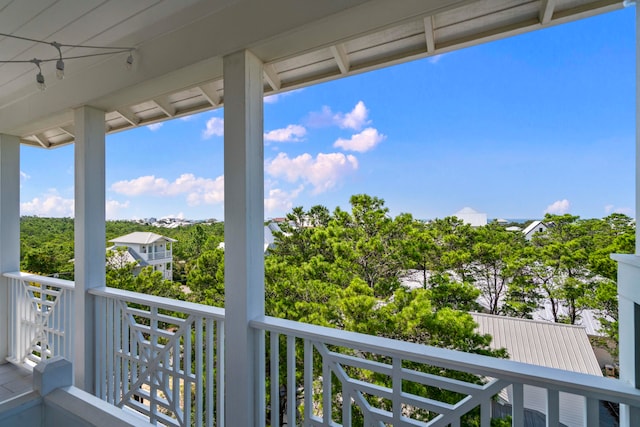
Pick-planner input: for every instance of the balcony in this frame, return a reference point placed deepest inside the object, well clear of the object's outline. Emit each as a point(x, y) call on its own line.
point(164, 360)
point(183, 364)
point(151, 256)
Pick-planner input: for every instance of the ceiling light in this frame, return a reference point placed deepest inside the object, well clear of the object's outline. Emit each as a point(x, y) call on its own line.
point(59, 62)
point(39, 76)
point(60, 69)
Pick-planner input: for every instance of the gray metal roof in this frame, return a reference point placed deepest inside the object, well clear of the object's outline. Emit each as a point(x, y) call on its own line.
point(541, 343)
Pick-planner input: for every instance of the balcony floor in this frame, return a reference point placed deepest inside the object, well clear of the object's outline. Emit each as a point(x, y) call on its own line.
point(13, 381)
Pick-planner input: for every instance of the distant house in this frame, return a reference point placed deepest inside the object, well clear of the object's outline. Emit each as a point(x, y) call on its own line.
point(269, 238)
point(554, 345)
point(148, 249)
point(472, 217)
point(533, 228)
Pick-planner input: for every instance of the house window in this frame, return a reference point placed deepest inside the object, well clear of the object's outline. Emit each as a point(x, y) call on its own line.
point(540, 229)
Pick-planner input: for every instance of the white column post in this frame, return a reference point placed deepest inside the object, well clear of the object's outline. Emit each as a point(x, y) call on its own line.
point(89, 238)
point(9, 228)
point(629, 284)
point(243, 235)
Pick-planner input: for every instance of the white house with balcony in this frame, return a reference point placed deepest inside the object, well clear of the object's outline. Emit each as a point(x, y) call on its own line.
point(148, 249)
point(197, 55)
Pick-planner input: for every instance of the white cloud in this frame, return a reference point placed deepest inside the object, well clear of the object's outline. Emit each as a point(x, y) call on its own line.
point(324, 172)
point(318, 119)
point(198, 190)
point(179, 215)
point(559, 207)
point(280, 200)
point(609, 209)
point(113, 207)
point(49, 205)
point(23, 177)
point(154, 126)
point(215, 127)
point(435, 59)
point(355, 119)
point(292, 133)
point(272, 99)
point(143, 185)
point(361, 142)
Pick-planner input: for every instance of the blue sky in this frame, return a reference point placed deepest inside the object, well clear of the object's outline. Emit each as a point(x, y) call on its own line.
point(541, 122)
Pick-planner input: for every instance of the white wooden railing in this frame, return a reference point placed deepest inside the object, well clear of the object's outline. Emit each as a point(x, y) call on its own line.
point(163, 358)
point(328, 374)
point(40, 318)
point(158, 255)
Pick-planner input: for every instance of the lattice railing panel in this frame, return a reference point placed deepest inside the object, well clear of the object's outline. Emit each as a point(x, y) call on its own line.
point(162, 358)
point(41, 318)
point(316, 376)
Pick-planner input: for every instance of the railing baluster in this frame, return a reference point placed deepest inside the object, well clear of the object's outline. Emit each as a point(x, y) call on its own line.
point(259, 369)
point(485, 413)
point(291, 381)
point(517, 404)
point(221, 374)
point(275, 378)
point(101, 347)
point(553, 408)
point(199, 371)
point(592, 412)
point(109, 331)
point(308, 381)
point(187, 374)
point(396, 380)
point(210, 405)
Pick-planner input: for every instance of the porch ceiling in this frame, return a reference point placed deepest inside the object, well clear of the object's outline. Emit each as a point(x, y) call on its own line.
point(180, 44)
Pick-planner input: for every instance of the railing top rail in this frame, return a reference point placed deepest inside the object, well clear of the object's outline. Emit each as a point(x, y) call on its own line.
point(540, 376)
point(160, 302)
point(50, 281)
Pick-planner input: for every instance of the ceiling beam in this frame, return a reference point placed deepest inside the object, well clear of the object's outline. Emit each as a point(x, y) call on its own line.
point(42, 140)
point(165, 106)
point(342, 57)
point(271, 76)
point(69, 130)
point(210, 92)
point(129, 116)
point(429, 34)
point(546, 11)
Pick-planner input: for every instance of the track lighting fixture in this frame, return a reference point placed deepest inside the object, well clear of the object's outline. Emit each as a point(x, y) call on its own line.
point(60, 58)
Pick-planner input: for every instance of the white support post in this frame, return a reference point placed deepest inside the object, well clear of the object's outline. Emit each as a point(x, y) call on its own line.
point(9, 228)
point(89, 238)
point(244, 235)
point(628, 280)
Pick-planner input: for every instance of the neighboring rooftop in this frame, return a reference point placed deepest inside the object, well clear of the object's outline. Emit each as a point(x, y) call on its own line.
point(472, 217)
point(555, 345)
point(141, 238)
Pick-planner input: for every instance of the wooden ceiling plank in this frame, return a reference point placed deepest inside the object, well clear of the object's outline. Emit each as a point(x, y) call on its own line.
point(546, 11)
point(429, 34)
point(342, 57)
